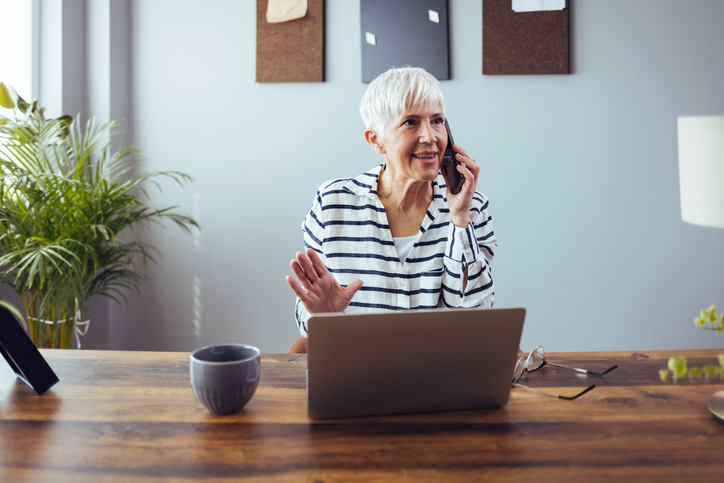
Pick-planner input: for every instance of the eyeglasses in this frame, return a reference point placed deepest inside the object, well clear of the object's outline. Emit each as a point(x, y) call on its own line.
point(536, 359)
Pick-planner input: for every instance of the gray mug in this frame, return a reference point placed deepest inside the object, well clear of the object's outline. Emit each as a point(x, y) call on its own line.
point(224, 377)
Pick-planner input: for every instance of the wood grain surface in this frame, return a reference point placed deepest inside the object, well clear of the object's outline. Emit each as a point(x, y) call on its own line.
point(131, 416)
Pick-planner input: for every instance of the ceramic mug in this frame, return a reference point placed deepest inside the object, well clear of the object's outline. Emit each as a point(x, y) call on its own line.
point(224, 377)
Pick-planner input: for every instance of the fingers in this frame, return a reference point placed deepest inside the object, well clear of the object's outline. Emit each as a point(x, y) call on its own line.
point(465, 171)
point(308, 267)
point(460, 150)
point(468, 168)
point(301, 276)
point(307, 298)
point(319, 266)
point(352, 289)
point(311, 274)
point(468, 188)
point(465, 159)
point(326, 295)
point(469, 177)
point(296, 288)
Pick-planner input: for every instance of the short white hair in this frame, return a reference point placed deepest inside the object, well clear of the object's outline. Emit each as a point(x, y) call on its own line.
point(395, 91)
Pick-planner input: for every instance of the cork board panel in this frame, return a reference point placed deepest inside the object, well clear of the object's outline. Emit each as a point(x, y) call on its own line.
point(290, 51)
point(524, 42)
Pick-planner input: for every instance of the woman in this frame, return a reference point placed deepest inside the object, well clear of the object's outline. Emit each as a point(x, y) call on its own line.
point(395, 237)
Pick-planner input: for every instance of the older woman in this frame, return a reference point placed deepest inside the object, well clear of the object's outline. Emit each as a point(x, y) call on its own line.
point(395, 237)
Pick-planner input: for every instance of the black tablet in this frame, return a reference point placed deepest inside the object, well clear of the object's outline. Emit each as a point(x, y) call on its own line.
point(24, 358)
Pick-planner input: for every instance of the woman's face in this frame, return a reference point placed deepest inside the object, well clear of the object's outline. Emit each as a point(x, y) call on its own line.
point(414, 142)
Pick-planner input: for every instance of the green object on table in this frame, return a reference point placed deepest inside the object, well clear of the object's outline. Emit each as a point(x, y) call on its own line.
point(677, 366)
point(710, 371)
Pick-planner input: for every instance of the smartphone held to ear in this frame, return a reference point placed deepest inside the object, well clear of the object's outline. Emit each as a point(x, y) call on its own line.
point(450, 164)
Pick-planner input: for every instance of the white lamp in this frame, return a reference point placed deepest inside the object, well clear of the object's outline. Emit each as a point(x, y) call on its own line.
point(701, 170)
point(701, 183)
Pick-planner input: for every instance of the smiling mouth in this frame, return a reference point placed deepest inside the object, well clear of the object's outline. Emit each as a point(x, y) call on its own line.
point(427, 156)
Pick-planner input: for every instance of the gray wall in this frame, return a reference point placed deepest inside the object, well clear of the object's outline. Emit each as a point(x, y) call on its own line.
point(581, 170)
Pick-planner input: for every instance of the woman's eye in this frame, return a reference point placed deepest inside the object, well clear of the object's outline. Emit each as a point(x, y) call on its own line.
point(409, 122)
point(438, 120)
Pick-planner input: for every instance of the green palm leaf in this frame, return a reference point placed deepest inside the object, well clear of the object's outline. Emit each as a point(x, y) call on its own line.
point(68, 204)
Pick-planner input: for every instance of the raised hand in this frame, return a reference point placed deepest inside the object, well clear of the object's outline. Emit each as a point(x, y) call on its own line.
point(461, 203)
point(316, 287)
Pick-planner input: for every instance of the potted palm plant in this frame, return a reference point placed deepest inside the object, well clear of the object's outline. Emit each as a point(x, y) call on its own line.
point(68, 202)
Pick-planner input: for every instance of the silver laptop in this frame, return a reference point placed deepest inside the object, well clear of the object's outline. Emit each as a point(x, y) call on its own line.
point(411, 361)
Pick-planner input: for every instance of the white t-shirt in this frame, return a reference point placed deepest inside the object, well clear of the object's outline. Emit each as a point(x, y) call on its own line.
point(404, 245)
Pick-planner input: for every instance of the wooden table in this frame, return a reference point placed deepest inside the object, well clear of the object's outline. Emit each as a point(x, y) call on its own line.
point(131, 416)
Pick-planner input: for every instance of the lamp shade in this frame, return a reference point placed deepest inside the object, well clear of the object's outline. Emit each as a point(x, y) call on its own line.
point(701, 170)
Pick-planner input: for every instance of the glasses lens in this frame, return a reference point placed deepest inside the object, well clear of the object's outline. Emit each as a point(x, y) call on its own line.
point(535, 358)
point(519, 368)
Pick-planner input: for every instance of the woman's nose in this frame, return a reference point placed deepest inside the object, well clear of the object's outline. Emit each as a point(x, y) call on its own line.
point(427, 134)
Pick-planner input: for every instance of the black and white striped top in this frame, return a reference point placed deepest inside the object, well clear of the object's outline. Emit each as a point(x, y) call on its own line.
point(347, 226)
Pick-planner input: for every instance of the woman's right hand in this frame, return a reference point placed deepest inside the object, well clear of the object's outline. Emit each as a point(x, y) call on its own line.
point(316, 287)
point(460, 203)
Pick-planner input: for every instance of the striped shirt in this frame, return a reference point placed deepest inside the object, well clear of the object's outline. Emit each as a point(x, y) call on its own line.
point(347, 226)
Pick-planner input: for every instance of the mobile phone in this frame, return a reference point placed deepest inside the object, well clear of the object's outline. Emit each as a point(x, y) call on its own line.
point(450, 164)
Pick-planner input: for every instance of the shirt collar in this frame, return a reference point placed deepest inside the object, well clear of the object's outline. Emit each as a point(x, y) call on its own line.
point(366, 184)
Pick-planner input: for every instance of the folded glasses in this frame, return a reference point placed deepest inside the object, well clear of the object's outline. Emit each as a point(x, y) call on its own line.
point(536, 359)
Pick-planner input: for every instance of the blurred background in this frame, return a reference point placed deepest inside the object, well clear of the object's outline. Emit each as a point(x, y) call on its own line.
point(581, 169)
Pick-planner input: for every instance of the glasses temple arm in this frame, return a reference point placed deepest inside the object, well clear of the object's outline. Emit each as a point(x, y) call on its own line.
point(571, 398)
point(567, 398)
point(583, 371)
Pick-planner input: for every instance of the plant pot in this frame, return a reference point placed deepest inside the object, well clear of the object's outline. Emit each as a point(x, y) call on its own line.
point(53, 328)
point(51, 335)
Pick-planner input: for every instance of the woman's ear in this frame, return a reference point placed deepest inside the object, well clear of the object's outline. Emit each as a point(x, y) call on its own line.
point(374, 141)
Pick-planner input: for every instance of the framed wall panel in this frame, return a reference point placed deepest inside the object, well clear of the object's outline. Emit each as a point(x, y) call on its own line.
point(524, 42)
point(290, 51)
point(404, 32)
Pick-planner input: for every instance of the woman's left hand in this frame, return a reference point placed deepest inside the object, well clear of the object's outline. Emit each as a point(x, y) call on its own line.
point(460, 203)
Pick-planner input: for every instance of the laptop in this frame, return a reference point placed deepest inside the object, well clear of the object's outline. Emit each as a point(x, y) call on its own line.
point(411, 361)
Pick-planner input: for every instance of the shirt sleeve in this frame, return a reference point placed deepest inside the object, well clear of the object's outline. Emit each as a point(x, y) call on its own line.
point(313, 230)
point(470, 247)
